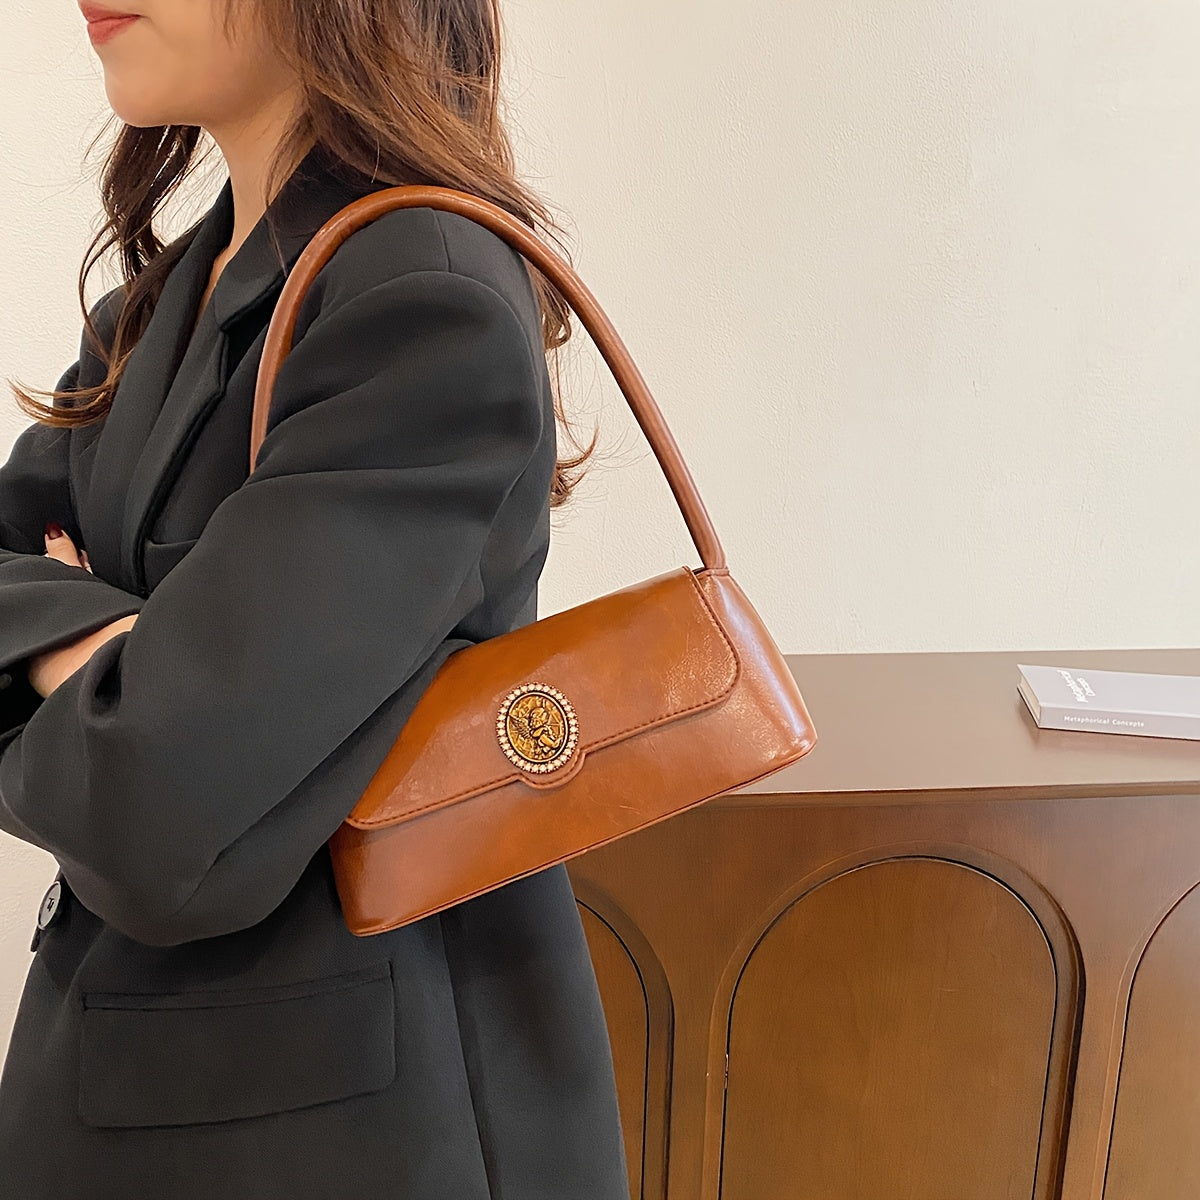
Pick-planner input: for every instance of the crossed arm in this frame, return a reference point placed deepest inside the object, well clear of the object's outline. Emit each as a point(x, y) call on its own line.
point(53, 667)
point(52, 612)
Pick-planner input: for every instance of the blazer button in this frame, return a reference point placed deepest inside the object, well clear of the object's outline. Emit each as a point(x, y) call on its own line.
point(51, 904)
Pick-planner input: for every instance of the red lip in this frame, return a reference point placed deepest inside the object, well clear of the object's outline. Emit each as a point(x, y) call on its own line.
point(96, 12)
point(105, 23)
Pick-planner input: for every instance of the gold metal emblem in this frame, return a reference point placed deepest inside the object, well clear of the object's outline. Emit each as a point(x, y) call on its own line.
point(537, 728)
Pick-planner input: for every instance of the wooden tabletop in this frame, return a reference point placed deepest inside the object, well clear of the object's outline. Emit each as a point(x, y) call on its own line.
point(894, 724)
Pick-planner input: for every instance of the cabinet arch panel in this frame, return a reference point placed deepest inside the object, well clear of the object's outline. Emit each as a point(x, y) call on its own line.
point(911, 1007)
point(638, 1011)
point(1154, 1153)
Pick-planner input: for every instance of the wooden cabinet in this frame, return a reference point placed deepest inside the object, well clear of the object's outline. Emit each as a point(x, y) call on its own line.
point(948, 956)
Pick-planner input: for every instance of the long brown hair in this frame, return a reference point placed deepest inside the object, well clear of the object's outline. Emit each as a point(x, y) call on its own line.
point(396, 91)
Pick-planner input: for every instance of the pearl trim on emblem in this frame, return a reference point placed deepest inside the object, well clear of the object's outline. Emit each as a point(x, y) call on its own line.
point(569, 743)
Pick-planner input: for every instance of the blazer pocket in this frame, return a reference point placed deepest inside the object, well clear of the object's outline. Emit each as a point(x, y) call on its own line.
point(199, 1057)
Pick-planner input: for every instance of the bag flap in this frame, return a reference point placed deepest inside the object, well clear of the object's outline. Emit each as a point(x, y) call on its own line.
point(623, 663)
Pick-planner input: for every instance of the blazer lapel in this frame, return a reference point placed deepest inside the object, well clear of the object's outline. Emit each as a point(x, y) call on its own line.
point(117, 479)
point(174, 378)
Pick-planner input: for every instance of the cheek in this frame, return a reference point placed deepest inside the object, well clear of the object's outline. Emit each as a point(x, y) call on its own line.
point(181, 71)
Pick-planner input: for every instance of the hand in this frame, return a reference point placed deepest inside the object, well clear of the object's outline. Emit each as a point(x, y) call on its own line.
point(53, 667)
point(59, 545)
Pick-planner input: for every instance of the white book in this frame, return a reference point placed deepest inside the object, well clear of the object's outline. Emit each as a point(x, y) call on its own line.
point(1112, 701)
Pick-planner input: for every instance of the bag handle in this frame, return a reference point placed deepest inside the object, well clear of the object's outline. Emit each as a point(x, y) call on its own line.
point(633, 386)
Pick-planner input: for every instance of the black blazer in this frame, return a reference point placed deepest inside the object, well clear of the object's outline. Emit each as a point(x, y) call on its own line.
point(197, 1021)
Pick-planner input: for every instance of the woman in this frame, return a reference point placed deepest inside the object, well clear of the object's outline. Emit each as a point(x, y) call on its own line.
point(203, 670)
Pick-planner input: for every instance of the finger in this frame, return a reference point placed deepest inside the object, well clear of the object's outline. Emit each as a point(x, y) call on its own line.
point(59, 545)
point(86, 562)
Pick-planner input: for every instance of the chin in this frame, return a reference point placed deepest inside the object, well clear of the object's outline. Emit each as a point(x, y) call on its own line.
point(141, 110)
point(142, 115)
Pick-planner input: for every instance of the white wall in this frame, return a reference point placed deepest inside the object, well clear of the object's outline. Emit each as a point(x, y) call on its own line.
point(917, 283)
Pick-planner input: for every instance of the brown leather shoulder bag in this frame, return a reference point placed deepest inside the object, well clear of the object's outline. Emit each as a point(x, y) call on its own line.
point(534, 746)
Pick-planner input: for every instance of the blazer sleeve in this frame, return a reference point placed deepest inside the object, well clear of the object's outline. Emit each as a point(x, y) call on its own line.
point(43, 602)
point(159, 773)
